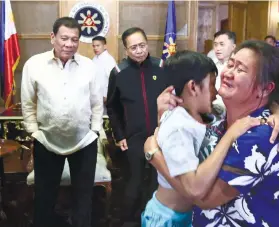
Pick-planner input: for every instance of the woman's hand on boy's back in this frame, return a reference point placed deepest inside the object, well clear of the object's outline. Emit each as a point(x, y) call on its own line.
point(167, 100)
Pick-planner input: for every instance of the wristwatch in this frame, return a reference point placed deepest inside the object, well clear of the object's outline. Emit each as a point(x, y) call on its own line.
point(149, 154)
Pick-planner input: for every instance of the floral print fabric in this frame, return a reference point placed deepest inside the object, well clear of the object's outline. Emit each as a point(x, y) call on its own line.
point(257, 179)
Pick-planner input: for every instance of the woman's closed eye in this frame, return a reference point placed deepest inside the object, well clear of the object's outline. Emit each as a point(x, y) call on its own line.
point(239, 70)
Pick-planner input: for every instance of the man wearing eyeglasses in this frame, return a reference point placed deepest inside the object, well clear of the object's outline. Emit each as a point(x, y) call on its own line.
point(134, 86)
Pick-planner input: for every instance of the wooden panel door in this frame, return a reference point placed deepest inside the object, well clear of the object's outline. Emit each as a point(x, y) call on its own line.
point(237, 19)
point(257, 19)
point(224, 24)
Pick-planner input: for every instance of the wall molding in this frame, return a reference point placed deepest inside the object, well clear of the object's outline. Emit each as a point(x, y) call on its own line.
point(47, 36)
point(34, 36)
point(161, 37)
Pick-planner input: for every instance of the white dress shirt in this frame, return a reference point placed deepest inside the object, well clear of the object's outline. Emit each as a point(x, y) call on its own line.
point(211, 54)
point(219, 101)
point(105, 63)
point(180, 137)
point(220, 66)
point(60, 104)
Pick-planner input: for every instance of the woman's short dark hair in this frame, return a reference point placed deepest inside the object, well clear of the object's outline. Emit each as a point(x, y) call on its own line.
point(68, 22)
point(268, 67)
point(131, 31)
point(187, 65)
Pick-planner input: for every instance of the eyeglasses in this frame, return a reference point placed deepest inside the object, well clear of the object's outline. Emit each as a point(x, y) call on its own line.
point(133, 48)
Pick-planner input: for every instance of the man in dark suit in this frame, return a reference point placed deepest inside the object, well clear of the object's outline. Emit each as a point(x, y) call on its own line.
point(134, 86)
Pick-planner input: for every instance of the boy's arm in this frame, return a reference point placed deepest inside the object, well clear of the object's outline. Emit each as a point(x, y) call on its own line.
point(183, 163)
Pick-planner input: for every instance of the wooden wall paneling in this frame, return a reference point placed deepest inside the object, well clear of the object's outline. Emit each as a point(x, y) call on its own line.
point(237, 19)
point(223, 22)
point(151, 15)
point(182, 40)
point(257, 19)
point(193, 25)
point(207, 18)
point(33, 27)
point(218, 9)
point(208, 45)
point(34, 36)
point(273, 18)
point(111, 7)
point(152, 18)
point(160, 37)
point(35, 17)
point(224, 25)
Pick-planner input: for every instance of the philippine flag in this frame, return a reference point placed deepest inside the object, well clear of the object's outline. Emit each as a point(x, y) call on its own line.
point(9, 51)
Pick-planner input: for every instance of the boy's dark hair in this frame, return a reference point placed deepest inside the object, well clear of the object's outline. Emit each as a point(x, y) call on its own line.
point(100, 38)
point(270, 37)
point(131, 31)
point(68, 22)
point(188, 65)
point(231, 35)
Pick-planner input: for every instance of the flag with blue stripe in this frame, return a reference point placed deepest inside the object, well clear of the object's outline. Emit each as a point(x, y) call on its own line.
point(169, 47)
